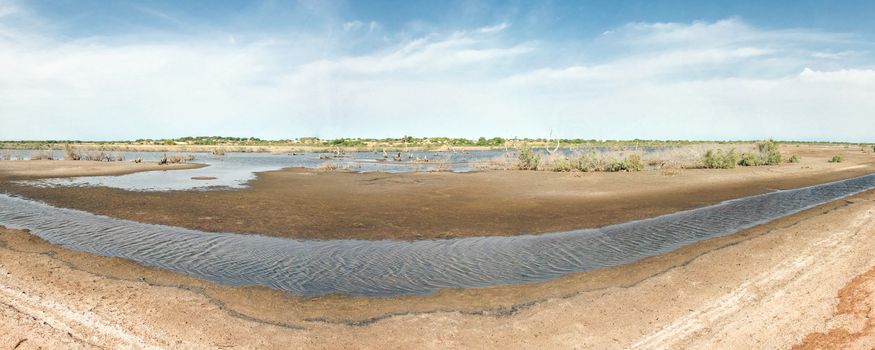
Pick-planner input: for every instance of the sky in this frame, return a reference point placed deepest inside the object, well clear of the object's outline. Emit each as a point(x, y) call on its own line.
point(701, 70)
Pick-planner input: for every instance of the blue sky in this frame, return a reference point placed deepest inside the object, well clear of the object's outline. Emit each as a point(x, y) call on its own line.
point(577, 69)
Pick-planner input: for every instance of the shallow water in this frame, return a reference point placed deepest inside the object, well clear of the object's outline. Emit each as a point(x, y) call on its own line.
point(234, 170)
point(383, 268)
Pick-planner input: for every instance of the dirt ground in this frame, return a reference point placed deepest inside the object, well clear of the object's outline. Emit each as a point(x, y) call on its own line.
point(308, 204)
point(806, 280)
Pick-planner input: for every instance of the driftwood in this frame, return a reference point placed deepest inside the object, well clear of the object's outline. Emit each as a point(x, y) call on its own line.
point(548, 142)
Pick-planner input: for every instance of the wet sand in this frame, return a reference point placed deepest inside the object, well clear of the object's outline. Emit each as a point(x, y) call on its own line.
point(309, 204)
point(806, 280)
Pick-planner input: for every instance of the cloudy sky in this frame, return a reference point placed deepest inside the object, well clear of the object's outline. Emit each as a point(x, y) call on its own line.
point(106, 70)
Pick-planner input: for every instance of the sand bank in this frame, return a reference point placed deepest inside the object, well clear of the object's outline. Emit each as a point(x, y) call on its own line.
point(26, 169)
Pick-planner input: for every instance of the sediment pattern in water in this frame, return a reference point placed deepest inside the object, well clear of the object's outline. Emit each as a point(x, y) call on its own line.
point(397, 267)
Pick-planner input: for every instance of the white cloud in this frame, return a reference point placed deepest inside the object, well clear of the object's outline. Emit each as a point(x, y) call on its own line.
point(700, 80)
point(855, 76)
point(352, 25)
point(9, 8)
point(494, 29)
point(420, 56)
point(829, 55)
point(373, 26)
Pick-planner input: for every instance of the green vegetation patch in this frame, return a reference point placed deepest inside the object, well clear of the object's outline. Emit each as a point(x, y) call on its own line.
point(719, 159)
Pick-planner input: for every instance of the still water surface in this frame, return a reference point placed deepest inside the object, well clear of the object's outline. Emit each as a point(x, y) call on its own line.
point(234, 170)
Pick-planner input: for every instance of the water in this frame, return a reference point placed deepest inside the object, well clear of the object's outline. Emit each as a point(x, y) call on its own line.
point(385, 268)
point(234, 170)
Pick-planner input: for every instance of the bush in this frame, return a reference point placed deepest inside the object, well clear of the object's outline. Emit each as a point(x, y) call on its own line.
point(766, 154)
point(631, 163)
point(769, 154)
point(70, 153)
point(836, 159)
point(719, 159)
point(793, 159)
point(587, 162)
point(562, 165)
point(749, 159)
point(528, 159)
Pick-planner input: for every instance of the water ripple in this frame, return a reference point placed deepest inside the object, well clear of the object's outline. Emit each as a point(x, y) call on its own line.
point(383, 268)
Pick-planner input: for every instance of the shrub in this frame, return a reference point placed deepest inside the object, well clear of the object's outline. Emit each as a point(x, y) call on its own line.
point(836, 159)
point(749, 159)
point(769, 154)
point(634, 163)
point(719, 159)
point(562, 165)
point(528, 159)
point(70, 153)
point(766, 154)
point(793, 159)
point(631, 163)
point(587, 162)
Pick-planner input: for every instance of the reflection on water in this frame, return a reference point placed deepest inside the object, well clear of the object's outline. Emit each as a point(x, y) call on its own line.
point(382, 268)
point(233, 170)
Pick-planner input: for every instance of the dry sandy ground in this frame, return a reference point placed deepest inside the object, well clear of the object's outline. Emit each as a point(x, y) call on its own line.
point(805, 280)
point(299, 203)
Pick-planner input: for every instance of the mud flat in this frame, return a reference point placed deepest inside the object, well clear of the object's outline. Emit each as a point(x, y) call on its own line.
point(806, 280)
point(308, 204)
